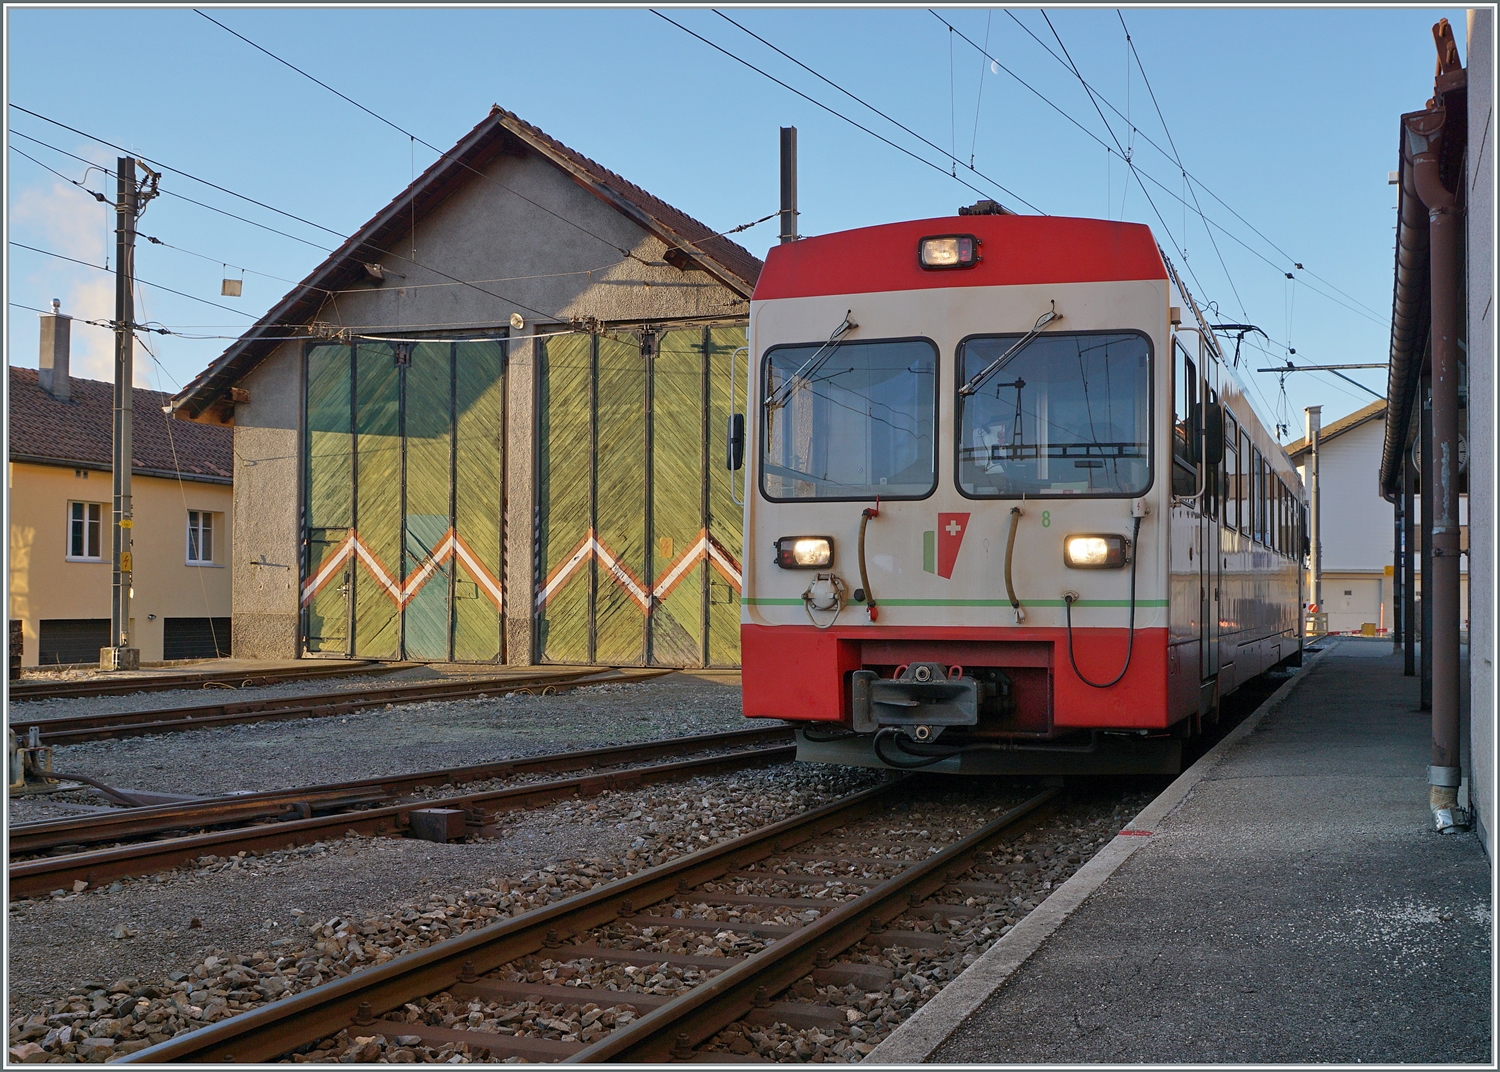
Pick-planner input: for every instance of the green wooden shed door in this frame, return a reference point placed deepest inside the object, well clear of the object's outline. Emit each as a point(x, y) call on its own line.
point(403, 494)
point(638, 532)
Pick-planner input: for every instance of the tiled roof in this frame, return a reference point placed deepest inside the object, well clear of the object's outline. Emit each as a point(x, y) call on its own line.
point(80, 431)
point(1344, 424)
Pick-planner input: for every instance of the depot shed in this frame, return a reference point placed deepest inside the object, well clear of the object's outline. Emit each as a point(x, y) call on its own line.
point(488, 428)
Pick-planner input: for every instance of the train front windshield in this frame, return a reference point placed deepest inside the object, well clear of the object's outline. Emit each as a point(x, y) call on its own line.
point(1069, 414)
point(850, 420)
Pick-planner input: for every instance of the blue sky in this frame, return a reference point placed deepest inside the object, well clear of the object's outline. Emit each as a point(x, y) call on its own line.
point(1284, 117)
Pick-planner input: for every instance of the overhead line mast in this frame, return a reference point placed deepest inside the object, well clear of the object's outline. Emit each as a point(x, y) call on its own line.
point(130, 199)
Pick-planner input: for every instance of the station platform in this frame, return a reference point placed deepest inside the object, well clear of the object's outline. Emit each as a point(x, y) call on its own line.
point(1286, 900)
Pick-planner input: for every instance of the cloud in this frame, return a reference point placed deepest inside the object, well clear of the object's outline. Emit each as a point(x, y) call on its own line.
point(64, 221)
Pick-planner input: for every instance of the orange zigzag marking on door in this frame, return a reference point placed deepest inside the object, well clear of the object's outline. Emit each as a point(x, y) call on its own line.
point(591, 547)
point(402, 594)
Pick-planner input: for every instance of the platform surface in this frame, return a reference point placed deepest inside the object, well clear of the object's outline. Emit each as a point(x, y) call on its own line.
point(1296, 907)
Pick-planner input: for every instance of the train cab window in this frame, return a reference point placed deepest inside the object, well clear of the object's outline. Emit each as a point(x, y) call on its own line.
point(1070, 414)
point(850, 420)
point(1231, 471)
point(1185, 422)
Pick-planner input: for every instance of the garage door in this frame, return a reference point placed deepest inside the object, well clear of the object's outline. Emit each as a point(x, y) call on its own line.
point(71, 640)
point(195, 638)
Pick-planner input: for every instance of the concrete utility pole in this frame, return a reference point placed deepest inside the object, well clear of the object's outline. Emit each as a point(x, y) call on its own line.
point(788, 184)
point(1315, 516)
point(120, 655)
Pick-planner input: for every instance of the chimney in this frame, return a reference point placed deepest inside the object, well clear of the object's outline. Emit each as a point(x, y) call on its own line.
point(52, 362)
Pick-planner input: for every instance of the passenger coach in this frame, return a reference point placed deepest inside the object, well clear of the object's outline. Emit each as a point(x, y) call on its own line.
point(1006, 510)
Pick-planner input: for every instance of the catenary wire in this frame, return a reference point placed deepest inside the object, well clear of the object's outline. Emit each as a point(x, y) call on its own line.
point(415, 138)
point(1193, 178)
point(838, 114)
point(146, 282)
point(1178, 157)
point(363, 245)
point(1141, 172)
point(866, 104)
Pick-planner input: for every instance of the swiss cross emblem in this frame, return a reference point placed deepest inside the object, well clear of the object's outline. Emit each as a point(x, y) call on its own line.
point(940, 547)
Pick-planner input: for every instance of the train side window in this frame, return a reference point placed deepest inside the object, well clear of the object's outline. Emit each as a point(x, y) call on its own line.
point(1283, 543)
point(1279, 537)
point(1257, 498)
point(1265, 501)
point(1231, 471)
point(1186, 437)
point(1286, 520)
point(1242, 490)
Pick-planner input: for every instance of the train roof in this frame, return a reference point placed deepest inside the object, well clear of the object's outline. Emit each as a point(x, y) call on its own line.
point(1013, 250)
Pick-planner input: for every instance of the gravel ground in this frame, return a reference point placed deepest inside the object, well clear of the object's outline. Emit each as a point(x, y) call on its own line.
point(413, 737)
point(289, 916)
point(70, 707)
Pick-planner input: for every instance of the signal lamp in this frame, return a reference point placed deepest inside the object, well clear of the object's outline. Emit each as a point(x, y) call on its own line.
point(948, 251)
point(1094, 551)
point(804, 552)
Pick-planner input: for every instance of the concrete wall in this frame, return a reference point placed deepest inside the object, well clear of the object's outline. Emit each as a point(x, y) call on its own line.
point(43, 584)
point(267, 463)
point(518, 258)
point(1481, 359)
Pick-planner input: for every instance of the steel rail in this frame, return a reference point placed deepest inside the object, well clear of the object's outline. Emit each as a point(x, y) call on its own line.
point(32, 877)
point(267, 1032)
point(74, 730)
point(713, 1005)
point(100, 827)
point(124, 686)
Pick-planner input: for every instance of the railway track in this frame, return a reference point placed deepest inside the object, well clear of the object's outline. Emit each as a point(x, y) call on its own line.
point(77, 729)
point(124, 686)
point(289, 818)
point(790, 905)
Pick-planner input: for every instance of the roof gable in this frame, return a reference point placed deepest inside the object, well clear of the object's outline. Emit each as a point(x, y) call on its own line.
point(1374, 411)
point(500, 132)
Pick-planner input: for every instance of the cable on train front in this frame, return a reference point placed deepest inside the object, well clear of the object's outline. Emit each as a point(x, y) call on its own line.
point(1007, 395)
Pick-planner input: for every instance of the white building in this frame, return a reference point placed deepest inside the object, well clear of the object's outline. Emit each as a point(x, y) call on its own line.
point(1359, 525)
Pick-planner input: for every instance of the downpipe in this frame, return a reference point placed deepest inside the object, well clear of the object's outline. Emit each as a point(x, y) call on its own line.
point(1424, 133)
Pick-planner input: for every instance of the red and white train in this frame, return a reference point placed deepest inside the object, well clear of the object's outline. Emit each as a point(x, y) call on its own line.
point(1007, 510)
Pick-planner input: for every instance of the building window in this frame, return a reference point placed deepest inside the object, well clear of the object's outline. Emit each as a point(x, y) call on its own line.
point(200, 539)
point(85, 525)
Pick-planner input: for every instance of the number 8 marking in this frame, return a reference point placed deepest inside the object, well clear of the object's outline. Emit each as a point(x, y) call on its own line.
point(1046, 519)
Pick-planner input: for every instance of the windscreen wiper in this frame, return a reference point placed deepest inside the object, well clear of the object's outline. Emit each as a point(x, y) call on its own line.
point(1000, 362)
point(819, 358)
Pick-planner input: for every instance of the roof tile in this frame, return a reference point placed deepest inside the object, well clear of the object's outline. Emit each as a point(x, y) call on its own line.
point(80, 431)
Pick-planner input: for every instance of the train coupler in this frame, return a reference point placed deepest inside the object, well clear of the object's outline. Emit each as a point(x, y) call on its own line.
point(922, 700)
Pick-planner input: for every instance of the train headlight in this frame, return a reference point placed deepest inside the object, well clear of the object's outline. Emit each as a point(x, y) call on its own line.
point(1094, 551)
point(804, 552)
point(948, 251)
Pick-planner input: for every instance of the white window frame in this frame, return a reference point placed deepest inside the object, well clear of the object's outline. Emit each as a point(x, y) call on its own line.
point(194, 524)
point(68, 554)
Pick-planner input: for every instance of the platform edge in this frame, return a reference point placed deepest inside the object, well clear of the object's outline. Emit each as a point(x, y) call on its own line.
point(930, 1026)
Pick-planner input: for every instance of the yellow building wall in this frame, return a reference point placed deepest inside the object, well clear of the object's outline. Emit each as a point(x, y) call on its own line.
point(43, 584)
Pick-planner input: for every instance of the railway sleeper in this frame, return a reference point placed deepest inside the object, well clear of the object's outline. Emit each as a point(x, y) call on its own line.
point(733, 984)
